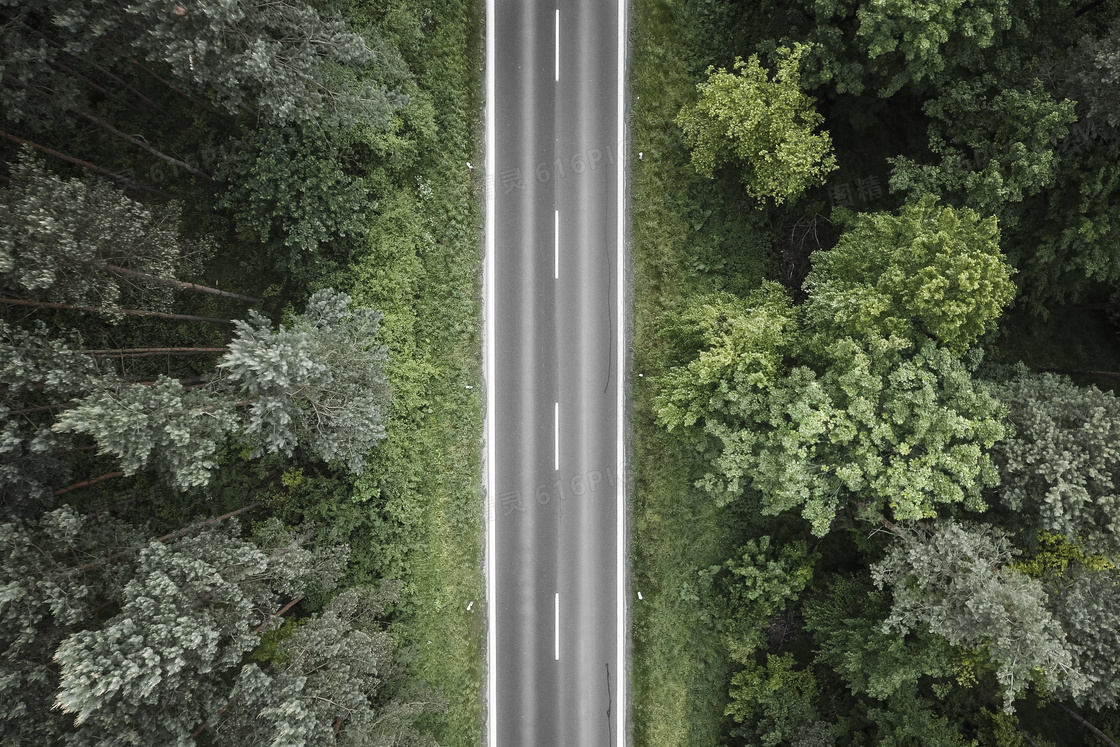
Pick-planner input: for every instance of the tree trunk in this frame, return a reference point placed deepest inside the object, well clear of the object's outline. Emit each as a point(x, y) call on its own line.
point(90, 481)
point(1097, 732)
point(175, 162)
point(1086, 8)
point(86, 164)
point(41, 408)
point(165, 538)
point(134, 312)
point(73, 73)
point(95, 66)
point(181, 284)
point(278, 613)
point(146, 352)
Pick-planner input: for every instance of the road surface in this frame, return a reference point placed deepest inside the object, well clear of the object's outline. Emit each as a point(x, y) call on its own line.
point(555, 361)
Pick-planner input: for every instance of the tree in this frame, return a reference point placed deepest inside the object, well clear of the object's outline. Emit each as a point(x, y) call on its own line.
point(330, 679)
point(890, 424)
point(931, 272)
point(1060, 471)
point(1092, 75)
point(762, 580)
point(775, 703)
point(178, 430)
point(956, 581)
point(319, 381)
point(1067, 237)
point(285, 59)
point(35, 367)
point(188, 615)
point(766, 126)
point(732, 351)
point(64, 240)
point(889, 45)
point(290, 187)
point(845, 615)
point(42, 602)
point(901, 432)
point(997, 146)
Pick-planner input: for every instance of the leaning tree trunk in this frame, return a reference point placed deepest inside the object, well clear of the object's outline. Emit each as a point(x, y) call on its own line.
point(86, 164)
point(182, 285)
point(133, 312)
point(165, 538)
point(148, 352)
point(1097, 732)
point(1084, 372)
point(175, 162)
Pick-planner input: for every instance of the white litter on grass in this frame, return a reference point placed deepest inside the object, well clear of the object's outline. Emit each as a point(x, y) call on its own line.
point(639, 595)
point(469, 606)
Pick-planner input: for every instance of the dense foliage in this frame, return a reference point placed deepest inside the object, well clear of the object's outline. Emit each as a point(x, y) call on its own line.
point(877, 458)
point(164, 166)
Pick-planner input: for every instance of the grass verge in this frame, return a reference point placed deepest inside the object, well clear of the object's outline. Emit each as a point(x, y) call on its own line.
point(690, 236)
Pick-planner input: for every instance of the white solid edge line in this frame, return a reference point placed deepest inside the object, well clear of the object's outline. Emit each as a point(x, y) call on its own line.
point(556, 245)
point(557, 626)
point(557, 44)
point(556, 450)
point(490, 372)
point(620, 496)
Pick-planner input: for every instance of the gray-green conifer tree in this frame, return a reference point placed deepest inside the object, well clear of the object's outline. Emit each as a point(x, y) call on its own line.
point(319, 380)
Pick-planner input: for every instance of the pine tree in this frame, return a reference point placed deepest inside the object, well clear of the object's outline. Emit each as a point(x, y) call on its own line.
point(62, 239)
point(179, 431)
point(189, 614)
point(42, 601)
point(318, 381)
point(331, 679)
point(285, 60)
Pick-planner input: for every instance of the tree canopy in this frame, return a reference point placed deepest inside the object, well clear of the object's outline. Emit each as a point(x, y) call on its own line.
point(765, 126)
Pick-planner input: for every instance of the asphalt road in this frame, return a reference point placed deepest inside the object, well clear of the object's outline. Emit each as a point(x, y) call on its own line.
point(554, 304)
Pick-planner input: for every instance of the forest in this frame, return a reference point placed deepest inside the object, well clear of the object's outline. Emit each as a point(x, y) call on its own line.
point(876, 248)
point(240, 476)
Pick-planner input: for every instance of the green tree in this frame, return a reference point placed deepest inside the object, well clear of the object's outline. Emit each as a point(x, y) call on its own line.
point(318, 381)
point(866, 403)
point(192, 609)
point(291, 188)
point(36, 367)
point(901, 432)
point(69, 241)
point(176, 430)
point(930, 272)
point(1060, 471)
point(997, 146)
point(762, 580)
point(775, 703)
point(1092, 76)
point(845, 616)
point(329, 679)
point(43, 601)
point(733, 350)
point(956, 581)
point(765, 126)
point(286, 60)
point(889, 45)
